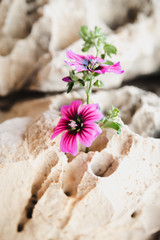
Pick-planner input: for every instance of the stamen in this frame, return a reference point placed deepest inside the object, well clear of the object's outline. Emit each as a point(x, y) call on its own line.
point(72, 124)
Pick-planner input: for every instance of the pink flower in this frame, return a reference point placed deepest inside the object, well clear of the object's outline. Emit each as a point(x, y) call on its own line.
point(78, 123)
point(91, 63)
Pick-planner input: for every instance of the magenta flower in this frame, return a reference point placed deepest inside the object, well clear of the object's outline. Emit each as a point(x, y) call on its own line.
point(91, 63)
point(67, 79)
point(78, 123)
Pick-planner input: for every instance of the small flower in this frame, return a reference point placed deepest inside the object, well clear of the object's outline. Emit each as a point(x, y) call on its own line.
point(91, 63)
point(67, 79)
point(78, 123)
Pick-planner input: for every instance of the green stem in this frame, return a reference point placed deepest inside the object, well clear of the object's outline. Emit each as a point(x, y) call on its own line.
point(87, 150)
point(88, 102)
point(97, 51)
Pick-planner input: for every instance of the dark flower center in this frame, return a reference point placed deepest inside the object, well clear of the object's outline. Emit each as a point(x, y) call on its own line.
point(75, 125)
point(93, 65)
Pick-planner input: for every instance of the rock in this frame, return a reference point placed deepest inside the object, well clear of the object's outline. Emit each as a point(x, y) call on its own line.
point(20, 46)
point(131, 40)
point(111, 192)
point(65, 29)
point(126, 11)
point(139, 109)
point(14, 69)
point(38, 33)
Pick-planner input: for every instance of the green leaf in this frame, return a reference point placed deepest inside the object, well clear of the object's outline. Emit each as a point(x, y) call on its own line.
point(95, 74)
point(103, 56)
point(70, 86)
point(98, 83)
point(81, 82)
point(109, 62)
point(86, 48)
point(73, 76)
point(84, 32)
point(110, 49)
point(111, 124)
point(112, 114)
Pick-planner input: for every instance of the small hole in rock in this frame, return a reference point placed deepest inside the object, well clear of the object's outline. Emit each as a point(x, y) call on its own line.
point(134, 214)
point(20, 227)
point(132, 14)
point(156, 134)
point(34, 201)
point(68, 194)
point(156, 236)
point(29, 212)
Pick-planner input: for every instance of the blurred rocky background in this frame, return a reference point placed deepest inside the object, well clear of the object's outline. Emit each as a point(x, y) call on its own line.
point(113, 192)
point(34, 36)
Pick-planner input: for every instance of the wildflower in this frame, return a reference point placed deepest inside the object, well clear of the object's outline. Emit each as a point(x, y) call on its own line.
point(91, 63)
point(78, 123)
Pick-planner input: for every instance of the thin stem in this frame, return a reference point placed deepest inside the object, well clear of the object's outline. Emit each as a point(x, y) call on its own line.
point(88, 98)
point(97, 51)
point(88, 102)
point(87, 150)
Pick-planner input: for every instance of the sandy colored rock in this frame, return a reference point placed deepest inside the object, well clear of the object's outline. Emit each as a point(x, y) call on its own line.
point(110, 192)
point(139, 109)
point(66, 21)
point(39, 32)
point(138, 48)
point(35, 31)
point(126, 11)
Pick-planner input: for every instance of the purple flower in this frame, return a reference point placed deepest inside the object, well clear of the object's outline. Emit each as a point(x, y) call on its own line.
point(67, 79)
point(91, 63)
point(78, 123)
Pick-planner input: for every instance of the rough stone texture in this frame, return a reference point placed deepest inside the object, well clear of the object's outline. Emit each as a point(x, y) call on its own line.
point(110, 192)
point(36, 30)
point(140, 110)
point(124, 12)
point(138, 51)
point(41, 38)
point(18, 65)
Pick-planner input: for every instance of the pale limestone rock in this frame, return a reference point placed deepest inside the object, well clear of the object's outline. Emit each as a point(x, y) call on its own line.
point(4, 7)
point(48, 25)
point(125, 11)
point(110, 192)
point(12, 134)
point(139, 109)
point(16, 14)
point(35, 30)
point(16, 67)
point(66, 21)
point(21, 45)
point(138, 46)
point(6, 45)
point(138, 51)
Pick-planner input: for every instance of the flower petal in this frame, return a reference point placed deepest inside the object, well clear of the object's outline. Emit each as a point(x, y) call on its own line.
point(69, 143)
point(67, 79)
point(115, 68)
point(94, 59)
point(61, 126)
point(90, 112)
point(72, 55)
point(70, 111)
point(89, 133)
point(101, 69)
